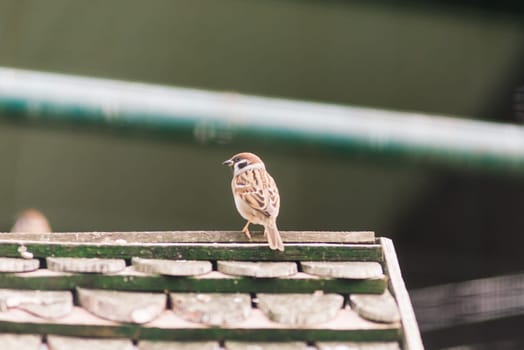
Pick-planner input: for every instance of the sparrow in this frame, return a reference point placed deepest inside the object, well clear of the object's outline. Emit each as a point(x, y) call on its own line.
point(256, 196)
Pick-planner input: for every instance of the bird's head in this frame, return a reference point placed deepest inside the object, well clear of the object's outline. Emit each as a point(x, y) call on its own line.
point(242, 160)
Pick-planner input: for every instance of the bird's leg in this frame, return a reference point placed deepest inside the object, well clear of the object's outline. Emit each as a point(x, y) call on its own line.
point(246, 230)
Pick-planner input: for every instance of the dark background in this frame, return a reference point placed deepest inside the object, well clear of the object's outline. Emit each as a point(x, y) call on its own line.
point(462, 59)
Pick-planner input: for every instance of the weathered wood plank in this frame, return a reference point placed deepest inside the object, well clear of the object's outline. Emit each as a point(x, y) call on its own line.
point(191, 237)
point(188, 334)
point(172, 267)
point(85, 265)
point(20, 341)
point(18, 265)
point(411, 339)
point(214, 309)
point(343, 269)
point(46, 304)
point(56, 342)
point(376, 307)
point(347, 326)
point(122, 306)
point(213, 282)
point(199, 251)
point(257, 269)
point(300, 309)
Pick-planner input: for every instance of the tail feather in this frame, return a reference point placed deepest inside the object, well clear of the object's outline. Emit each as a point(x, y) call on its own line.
point(273, 236)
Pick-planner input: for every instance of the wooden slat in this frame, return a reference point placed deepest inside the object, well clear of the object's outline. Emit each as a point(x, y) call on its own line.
point(198, 251)
point(212, 282)
point(411, 339)
point(347, 326)
point(191, 237)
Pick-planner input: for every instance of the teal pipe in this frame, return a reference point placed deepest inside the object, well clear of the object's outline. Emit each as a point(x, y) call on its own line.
point(224, 117)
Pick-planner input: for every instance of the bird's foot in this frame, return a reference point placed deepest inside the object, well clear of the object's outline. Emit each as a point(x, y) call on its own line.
point(246, 230)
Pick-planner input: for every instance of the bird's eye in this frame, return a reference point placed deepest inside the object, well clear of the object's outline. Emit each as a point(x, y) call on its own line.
point(236, 159)
point(242, 165)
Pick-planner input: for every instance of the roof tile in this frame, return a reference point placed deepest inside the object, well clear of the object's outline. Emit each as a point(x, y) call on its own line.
point(172, 267)
point(85, 265)
point(45, 304)
point(300, 309)
point(212, 308)
point(345, 269)
point(55, 342)
point(376, 307)
point(257, 269)
point(122, 306)
point(18, 265)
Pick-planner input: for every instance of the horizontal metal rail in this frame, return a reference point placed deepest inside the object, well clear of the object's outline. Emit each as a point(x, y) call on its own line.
point(225, 117)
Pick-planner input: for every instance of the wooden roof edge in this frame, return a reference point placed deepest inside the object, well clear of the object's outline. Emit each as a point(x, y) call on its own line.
point(197, 236)
point(411, 339)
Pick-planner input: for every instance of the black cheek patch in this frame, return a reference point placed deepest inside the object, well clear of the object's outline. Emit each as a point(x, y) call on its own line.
point(242, 165)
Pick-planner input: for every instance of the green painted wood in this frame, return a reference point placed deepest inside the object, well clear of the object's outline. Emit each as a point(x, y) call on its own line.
point(189, 237)
point(137, 332)
point(160, 283)
point(199, 251)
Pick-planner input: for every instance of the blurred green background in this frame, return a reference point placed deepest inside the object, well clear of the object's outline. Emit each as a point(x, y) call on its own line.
point(453, 58)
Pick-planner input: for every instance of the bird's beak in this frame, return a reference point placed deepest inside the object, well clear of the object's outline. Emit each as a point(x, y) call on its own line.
point(228, 163)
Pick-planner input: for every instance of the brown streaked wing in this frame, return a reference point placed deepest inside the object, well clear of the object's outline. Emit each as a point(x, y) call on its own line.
point(274, 197)
point(254, 187)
